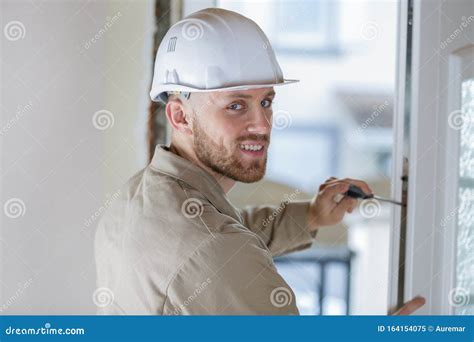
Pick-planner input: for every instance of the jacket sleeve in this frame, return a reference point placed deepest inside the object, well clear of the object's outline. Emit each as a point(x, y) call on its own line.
point(231, 274)
point(283, 228)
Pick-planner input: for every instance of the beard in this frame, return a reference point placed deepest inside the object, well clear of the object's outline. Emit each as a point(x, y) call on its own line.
point(228, 163)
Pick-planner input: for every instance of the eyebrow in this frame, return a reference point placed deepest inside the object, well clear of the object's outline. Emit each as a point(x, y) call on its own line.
point(246, 96)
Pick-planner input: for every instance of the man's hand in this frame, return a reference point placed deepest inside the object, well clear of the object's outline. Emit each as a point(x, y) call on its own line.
point(325, 210)
point(409, 307)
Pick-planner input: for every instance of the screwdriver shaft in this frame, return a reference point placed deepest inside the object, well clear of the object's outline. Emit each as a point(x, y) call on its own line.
point(387, 200)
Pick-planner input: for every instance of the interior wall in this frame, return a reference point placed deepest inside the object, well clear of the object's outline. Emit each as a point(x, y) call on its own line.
point(75, 82)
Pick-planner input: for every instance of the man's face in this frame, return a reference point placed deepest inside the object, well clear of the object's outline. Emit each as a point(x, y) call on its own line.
point(232, 131)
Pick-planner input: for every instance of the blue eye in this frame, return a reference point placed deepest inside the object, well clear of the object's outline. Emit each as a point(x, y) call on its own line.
point(236, 106)
point(266, 103)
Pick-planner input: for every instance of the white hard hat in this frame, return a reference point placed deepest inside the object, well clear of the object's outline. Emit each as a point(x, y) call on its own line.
point(214, 50)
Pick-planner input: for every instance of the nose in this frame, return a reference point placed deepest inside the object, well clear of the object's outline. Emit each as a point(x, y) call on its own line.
point(260, 122)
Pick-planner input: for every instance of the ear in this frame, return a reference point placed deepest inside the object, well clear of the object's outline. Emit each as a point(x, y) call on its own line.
point(177, 117)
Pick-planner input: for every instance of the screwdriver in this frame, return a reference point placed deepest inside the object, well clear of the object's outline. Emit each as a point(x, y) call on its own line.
point(356, 192)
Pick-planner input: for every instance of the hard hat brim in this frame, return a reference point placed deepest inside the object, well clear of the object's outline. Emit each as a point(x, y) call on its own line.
point(155, 94)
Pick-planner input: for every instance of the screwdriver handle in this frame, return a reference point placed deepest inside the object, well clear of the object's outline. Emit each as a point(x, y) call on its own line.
point(356, 192)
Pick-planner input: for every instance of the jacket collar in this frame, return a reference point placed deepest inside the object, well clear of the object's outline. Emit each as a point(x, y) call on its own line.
point(171, 164)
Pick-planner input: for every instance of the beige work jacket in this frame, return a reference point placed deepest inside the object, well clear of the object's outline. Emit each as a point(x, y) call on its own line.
point(171, 243)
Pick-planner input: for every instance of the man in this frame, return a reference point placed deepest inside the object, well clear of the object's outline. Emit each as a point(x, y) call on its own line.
point(173, 243)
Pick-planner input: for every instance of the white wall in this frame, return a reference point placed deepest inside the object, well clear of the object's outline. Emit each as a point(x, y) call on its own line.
point(53, 158)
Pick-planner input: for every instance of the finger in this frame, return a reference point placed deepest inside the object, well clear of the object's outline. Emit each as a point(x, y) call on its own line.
point(332, 180)
point(351, 209)
point(327, 197)
point(346, 204)
point(411, 306)
point(326, 182)
point(331, 190)
point(361, 184)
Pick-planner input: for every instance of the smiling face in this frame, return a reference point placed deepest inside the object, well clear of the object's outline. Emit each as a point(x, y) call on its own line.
point(230, 131)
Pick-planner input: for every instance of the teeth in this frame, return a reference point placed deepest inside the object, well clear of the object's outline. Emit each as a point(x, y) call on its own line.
point(251, 147)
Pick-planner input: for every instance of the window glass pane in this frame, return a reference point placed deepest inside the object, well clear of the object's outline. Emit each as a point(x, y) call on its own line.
point(306, 16)
point(462, 297)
